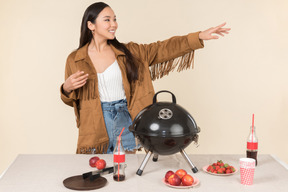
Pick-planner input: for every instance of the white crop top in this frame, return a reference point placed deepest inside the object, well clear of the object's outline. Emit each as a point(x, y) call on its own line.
point(110, 85)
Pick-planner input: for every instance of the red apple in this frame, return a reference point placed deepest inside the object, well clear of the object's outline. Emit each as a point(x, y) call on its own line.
point(187, 180)
point(181, 173)
point(101, 164)
point(174, 180)
point(168, 174)
point(93, 160)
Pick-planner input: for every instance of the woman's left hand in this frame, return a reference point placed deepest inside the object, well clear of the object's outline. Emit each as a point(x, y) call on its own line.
point(208, 34)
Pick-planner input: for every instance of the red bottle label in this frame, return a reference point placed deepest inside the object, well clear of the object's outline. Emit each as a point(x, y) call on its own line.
point(252, 146)
point(119, 158)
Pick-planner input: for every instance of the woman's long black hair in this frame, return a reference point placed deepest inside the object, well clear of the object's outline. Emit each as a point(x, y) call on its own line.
point(86, 36)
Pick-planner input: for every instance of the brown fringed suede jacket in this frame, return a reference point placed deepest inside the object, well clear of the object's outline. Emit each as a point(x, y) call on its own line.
point(158, 59)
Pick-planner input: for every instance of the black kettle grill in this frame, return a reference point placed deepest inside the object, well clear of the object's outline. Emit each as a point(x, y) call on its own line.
point(164, 128)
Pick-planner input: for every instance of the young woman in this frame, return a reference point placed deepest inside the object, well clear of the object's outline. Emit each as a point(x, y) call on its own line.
point(108, 83)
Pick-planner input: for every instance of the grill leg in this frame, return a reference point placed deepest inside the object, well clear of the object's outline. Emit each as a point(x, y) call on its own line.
point(155, 157)
point(143, 164)
point(193, 168)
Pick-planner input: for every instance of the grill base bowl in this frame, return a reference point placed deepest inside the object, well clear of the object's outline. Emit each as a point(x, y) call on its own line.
point(165, 145)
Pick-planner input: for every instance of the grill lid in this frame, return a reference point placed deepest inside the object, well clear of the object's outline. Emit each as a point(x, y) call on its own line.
point(164, 119)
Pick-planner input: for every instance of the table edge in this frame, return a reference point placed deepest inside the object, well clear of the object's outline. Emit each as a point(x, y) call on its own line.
point(285, 165)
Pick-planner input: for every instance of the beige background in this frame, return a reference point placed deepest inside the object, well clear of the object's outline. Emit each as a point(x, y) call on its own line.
point(235, 76)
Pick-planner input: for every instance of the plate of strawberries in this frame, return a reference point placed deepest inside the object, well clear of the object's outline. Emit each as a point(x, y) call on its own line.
point(220, 168)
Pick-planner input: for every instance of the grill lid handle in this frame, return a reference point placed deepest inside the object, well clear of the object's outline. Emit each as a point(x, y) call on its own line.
point(155, 96)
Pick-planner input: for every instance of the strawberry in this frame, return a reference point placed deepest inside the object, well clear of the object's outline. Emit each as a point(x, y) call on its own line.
point(220, 163)
point(228, 171)
point(220, 171)
point(232, 169)
point(217, 167)
point(209, 167)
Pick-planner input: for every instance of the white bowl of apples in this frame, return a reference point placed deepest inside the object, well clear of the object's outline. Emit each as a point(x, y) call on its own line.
point(180, 179)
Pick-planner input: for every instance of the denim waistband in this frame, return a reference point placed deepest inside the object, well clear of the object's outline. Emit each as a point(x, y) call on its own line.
point(114, 104)
point(111, 103)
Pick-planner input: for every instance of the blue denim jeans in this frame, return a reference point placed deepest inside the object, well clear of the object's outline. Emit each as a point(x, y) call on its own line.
point(116, 116)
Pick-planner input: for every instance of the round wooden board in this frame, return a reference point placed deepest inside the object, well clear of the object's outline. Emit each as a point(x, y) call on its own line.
point(78, 183)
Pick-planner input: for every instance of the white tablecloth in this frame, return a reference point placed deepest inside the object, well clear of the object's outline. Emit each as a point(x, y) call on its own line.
point(45, 173)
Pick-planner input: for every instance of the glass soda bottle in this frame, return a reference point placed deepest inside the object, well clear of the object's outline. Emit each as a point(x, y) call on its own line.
point(119, 161)
point(252, 144)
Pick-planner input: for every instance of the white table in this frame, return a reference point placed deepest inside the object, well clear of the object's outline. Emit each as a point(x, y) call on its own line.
point(41, 173)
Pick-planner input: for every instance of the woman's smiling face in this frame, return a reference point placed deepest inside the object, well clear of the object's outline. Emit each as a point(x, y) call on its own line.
point(105, 24)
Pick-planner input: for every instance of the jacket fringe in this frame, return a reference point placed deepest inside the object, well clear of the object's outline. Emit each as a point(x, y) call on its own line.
point(95, 149)
point(88, 91)
point(161, 69)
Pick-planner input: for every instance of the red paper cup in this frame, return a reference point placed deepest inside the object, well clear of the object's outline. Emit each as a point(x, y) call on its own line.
point(247, 167)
